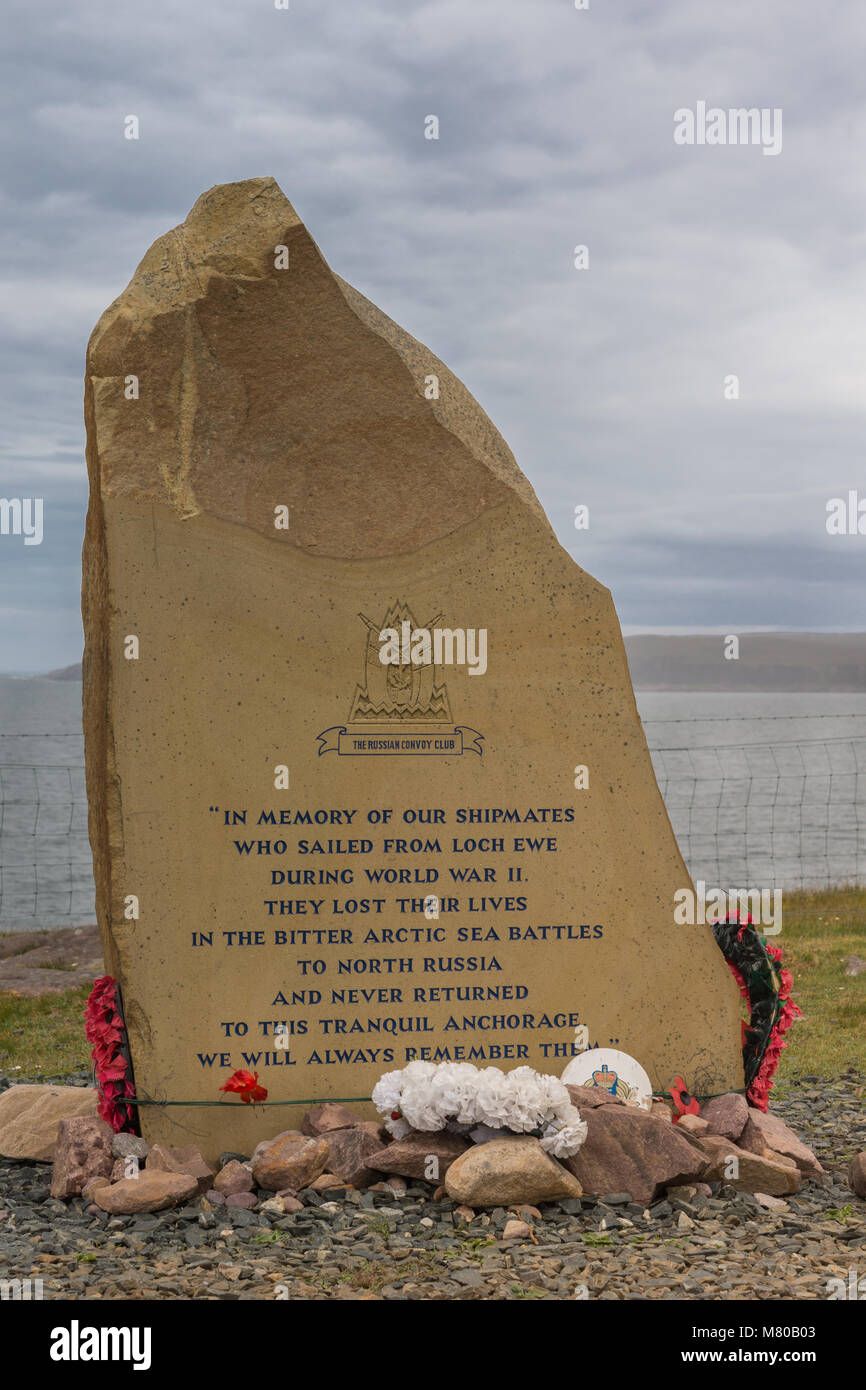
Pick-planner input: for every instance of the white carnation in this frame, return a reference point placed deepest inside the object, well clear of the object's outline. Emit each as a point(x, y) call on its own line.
point(492, 1099)
point(387, 1091)
point(458, 1095)
point(422, 1104)
point(563, 1139)
point(455, 1087)
point(417, 1071)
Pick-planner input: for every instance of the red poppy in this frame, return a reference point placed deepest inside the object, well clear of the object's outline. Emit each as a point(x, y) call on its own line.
point(684, 1103)
point(246, 1084)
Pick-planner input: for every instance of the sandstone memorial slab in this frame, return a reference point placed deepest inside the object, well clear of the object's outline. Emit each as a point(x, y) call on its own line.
point(311, 862)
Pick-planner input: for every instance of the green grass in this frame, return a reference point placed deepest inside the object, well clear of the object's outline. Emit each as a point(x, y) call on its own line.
point(46, 1036)
point(373, 1275)
point(819, 930)
point(269, 1237)
point(839, 1214)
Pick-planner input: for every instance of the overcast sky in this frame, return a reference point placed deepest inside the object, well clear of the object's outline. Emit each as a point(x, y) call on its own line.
point(556, 129)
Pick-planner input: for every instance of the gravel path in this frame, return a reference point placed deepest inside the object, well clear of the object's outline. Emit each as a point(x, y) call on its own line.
point(373, 1245)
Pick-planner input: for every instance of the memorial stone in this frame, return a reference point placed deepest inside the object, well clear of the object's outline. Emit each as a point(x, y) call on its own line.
point(366, 777)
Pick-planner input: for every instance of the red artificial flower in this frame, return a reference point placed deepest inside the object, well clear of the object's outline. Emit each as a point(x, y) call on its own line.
point(104, 1031)
point(246, 1085)
point(684, 1103)
point(758, 1093)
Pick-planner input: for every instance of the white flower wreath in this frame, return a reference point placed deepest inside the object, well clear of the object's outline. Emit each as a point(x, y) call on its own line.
point(424, 1096)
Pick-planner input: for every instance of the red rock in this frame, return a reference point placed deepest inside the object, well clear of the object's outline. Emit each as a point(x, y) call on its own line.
point(293, 1160)
point(526, 1213)
point(628, 1150)
point(692, 1124)
point(82, 1152)
point(755, 1173)
point(242, 1199)
point(187, 1160)
point(323, 1118)
point(726, 1115)
point(90, 1187)
point(396, 1186)
point(782, 1140)
point(328, 1180)
point(516, 1230)
point(234, 1177)
point(124, 1168)
point(152, 1190)
point(265, 1144)
point(785, 1161)
point(378, 1131)
point(349, 1153)
point(409, 1156)
point(857, 1174)
point(751, 1139)
point(214, 1198)
point(590, 1097)
point(771, 1203)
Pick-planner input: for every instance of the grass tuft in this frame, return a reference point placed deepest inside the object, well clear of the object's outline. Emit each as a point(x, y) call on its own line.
point(44, 1036)
point(819, 930)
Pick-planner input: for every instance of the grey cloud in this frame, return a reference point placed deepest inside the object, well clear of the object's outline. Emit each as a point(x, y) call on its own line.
point(556, 129)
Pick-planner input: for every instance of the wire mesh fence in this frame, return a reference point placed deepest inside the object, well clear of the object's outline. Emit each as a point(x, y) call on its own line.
point(46, 872)
point(780, 814)
point(769, 812)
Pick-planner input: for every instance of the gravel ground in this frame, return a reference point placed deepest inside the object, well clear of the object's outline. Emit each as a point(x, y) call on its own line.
point(373, 1245)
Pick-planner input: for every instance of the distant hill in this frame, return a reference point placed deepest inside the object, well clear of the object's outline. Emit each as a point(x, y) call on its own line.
point(789, 661)
point(66, 673)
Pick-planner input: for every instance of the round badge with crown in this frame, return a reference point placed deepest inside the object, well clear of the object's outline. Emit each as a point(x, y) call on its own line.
point(612, 1071)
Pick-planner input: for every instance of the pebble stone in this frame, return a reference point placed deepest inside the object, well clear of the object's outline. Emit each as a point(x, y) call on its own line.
point(382, 1246)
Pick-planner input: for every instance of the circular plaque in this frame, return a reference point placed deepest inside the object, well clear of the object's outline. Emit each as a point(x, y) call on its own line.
point(611, 1071)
